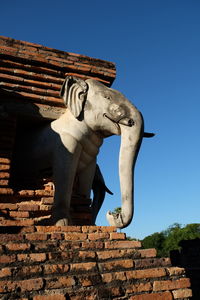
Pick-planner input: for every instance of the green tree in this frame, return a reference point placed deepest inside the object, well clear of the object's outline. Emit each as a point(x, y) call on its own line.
point(169, 239)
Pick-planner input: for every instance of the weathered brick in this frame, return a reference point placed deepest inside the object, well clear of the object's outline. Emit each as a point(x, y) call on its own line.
point(98, 236)
point(33, 257)
point(49, 297)
point(122, 244)
point(118, 264)
point(56, 268)
point(8, 206)
point(5, 272)
point(138, 288)
point(151, 262)
point(92, 245)
point(153, 296)
point(86, 254)
point(19, 214)
point(146, 273)
point(75, 236)
point(87, 266)
point(28, 207)
point(22, 222)
point(174, 271)
point(171, 284)
point(60, 282)
point(25, 285)
point(26, 193)
point(4, 160)
point(5, 238)
point(27, 270)
point(6, 259)
point(18, 246)
point(4, 175)
point(90, 229)
point(182, 293)
point(148, 252)
point(117, 236)
point(3, 182)
point(49, 229)
point(109, 277)
point(36, 236)
point(89, 280)
point(4, 167)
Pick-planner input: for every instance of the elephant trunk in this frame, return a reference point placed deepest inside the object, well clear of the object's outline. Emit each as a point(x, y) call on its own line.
point(131, 138)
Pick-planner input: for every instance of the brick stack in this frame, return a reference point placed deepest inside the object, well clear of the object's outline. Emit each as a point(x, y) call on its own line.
point(84, 263)
point(31, 76)
point(72, 262)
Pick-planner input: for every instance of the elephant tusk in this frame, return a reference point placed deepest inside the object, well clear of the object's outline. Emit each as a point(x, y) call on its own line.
point(148, 134)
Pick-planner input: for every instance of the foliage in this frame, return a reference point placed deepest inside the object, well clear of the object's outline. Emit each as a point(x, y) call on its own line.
point(169, 239)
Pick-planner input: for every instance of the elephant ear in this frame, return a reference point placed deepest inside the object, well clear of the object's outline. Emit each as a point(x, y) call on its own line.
point(74, 93)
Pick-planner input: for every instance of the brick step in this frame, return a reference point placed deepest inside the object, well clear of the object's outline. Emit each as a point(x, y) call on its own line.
point(83, 262)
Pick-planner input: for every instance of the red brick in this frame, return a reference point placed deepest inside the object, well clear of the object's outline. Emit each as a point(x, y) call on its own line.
point(4, 160)
point(171, 284)
point(48, 228)
point(117, 236)
point(56, 268)
point(98, 236)
point(148, 252)
point(4, 167)
point(138, 288)
point(34, 257)
point(96, 229)
point(59, 282)
point(70, 228)
point(117, 264)
point(28, 207)
point(174, 271)
point(18, 246)
point(25, 222)
point(25, 285)
point(4, 175)
point(26, 193)
point(182, 294)
point(92, 245)
point(4, 238)
point(6, 259)
point(19, 214)
point(56, 236)
point(36, 236)
point(146, 273)
point(75, 236)
point(152, 262)
point(4, 182)
point(109, 277)
point(5, 272)
point(8, 206)
point(153, 296)
point(27, 270)
point(87, 266)
point(86, 254)
point(122, 244)
point(49, 297)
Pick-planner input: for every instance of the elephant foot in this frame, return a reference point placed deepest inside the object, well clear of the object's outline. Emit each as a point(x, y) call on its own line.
point(63, 222)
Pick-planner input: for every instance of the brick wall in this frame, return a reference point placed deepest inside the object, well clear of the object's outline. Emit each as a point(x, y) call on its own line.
point(31, 76)
point(82, 263)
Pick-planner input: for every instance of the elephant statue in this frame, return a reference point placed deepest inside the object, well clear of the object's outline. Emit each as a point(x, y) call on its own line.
point(70, 144)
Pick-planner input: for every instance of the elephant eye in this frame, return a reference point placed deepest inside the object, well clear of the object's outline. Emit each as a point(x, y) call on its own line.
point(107, 97)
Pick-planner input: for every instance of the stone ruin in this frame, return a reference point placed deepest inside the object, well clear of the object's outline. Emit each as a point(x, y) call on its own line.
point(70, 262)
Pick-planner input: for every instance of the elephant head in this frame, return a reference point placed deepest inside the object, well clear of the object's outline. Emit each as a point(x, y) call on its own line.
point(107, 112)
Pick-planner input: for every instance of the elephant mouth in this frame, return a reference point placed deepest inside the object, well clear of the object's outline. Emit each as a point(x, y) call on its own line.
point(117, 121)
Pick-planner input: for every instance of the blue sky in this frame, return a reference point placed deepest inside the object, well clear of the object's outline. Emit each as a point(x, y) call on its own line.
point(156, 47)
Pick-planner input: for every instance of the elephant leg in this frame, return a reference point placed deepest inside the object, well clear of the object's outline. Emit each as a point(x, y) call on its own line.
point(85, 179)
point(64, 171)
